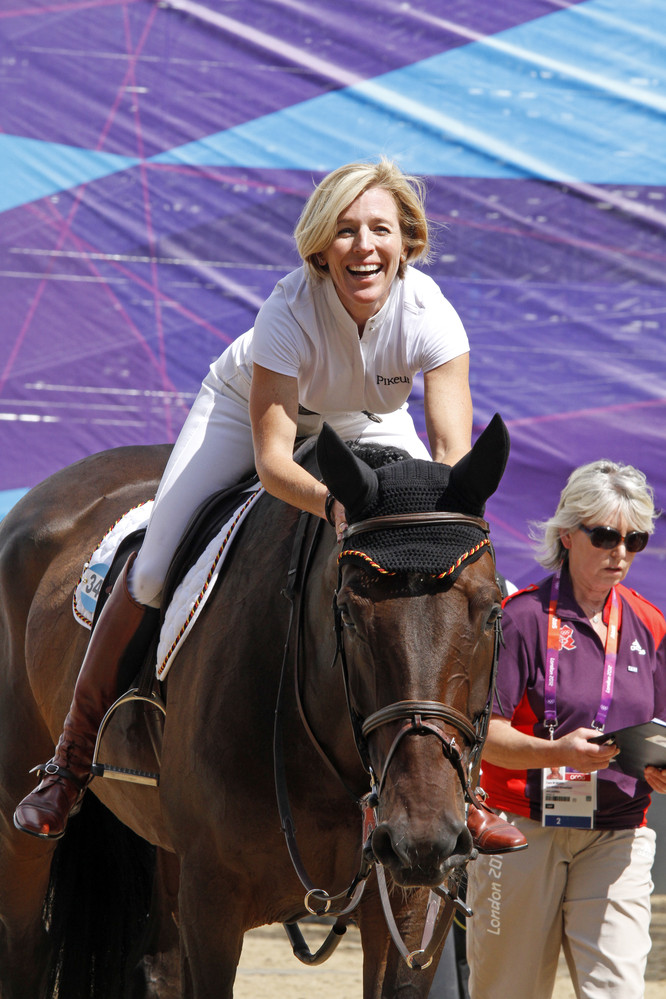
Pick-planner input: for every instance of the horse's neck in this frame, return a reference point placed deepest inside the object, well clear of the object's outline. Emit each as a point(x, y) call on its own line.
point(323, 700)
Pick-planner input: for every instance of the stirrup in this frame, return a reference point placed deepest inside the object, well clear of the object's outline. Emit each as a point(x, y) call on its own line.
point(124, 773)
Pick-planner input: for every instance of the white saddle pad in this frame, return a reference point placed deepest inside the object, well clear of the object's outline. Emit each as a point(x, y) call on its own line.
point(190, 596)
point(89, 587)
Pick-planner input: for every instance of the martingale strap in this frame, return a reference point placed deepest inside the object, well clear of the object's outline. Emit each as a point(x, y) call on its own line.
point(317, 901)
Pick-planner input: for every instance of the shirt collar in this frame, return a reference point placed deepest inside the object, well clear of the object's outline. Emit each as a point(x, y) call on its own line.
point(569, 609)
point(341, 315)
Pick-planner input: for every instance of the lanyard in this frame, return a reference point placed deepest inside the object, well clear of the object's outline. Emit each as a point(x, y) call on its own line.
point(553, 654)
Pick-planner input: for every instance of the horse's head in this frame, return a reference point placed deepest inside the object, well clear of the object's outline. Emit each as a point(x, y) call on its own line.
point(417, 608)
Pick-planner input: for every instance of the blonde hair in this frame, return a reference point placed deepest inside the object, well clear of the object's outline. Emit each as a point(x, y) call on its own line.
point(594, 494)
point(316, 228)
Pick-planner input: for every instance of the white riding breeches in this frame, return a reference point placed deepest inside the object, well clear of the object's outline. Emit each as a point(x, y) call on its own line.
point(214, 451)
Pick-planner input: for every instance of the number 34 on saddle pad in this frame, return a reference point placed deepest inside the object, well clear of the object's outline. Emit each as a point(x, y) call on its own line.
point(568, 798)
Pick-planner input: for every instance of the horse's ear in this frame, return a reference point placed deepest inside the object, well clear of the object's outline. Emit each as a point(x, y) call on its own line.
point(350, 479)
point(478, 473)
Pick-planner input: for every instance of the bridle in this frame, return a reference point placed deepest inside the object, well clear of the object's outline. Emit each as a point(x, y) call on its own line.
point(419, 717)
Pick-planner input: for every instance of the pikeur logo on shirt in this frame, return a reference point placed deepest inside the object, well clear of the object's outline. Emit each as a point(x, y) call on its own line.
point(393, 379)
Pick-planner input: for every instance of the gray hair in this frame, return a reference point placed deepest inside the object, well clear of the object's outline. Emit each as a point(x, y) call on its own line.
point(315, 230)
point(594, 494)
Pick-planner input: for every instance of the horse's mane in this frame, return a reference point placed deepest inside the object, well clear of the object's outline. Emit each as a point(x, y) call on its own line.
point(375, 455)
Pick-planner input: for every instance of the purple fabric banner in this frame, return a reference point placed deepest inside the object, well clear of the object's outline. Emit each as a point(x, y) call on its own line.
point(154, 158)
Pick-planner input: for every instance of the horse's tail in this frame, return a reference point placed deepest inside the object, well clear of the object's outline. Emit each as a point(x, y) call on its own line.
point(97, 905)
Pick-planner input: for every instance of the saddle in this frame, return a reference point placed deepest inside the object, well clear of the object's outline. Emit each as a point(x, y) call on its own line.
point(205, 524)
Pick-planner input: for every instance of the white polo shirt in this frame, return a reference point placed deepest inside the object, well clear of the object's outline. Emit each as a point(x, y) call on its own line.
point(304, 331)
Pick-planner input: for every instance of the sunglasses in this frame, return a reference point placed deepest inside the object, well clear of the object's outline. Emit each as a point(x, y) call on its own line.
point(608, 538)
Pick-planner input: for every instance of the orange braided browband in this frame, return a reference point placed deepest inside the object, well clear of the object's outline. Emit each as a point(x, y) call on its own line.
point(351, 551)
point(440, 575)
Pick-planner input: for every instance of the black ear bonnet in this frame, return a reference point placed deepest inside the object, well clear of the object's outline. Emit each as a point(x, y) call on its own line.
point(415, 486)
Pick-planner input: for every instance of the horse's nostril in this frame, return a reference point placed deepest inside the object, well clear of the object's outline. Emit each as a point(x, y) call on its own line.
point(465, 843)
point(384, 849)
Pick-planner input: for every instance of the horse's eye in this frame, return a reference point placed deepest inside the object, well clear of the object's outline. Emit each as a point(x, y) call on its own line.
point(345, 616)
point(494, 615)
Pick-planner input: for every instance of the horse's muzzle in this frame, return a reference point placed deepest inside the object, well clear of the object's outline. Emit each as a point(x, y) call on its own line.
point(424, 863)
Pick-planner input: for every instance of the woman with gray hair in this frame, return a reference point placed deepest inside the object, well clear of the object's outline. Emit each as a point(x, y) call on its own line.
point(593, 492)
point(340, 339)
point(583, 655)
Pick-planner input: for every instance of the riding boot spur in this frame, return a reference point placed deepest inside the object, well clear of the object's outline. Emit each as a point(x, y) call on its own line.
point(491, 833)
point(118, 632)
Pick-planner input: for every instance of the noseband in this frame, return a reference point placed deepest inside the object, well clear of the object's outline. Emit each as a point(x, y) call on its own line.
point(418, 714)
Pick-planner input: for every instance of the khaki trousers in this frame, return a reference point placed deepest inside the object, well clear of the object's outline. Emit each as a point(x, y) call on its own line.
point(586, 891)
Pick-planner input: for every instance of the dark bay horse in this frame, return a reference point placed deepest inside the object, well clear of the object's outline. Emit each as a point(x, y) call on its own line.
point(407, 614)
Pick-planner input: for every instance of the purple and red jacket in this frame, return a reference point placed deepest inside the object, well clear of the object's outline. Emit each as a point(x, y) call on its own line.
point(639, 692)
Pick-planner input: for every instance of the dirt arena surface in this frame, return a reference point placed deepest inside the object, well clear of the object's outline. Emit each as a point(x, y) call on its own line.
point(268, 970)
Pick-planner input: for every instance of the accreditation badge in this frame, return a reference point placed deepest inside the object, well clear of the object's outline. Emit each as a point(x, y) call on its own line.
point(568, 798)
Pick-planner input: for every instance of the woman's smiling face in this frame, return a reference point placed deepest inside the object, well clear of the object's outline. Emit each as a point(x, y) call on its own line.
point(365, 254)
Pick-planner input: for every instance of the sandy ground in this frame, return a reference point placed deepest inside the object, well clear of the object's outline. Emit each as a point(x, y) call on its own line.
point(268, 970)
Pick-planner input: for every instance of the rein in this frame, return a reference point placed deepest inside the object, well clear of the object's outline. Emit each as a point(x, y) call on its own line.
point(414, 713)
point(317, 900)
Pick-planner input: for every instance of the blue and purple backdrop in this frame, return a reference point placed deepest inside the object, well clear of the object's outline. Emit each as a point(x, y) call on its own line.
point(154, 157)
